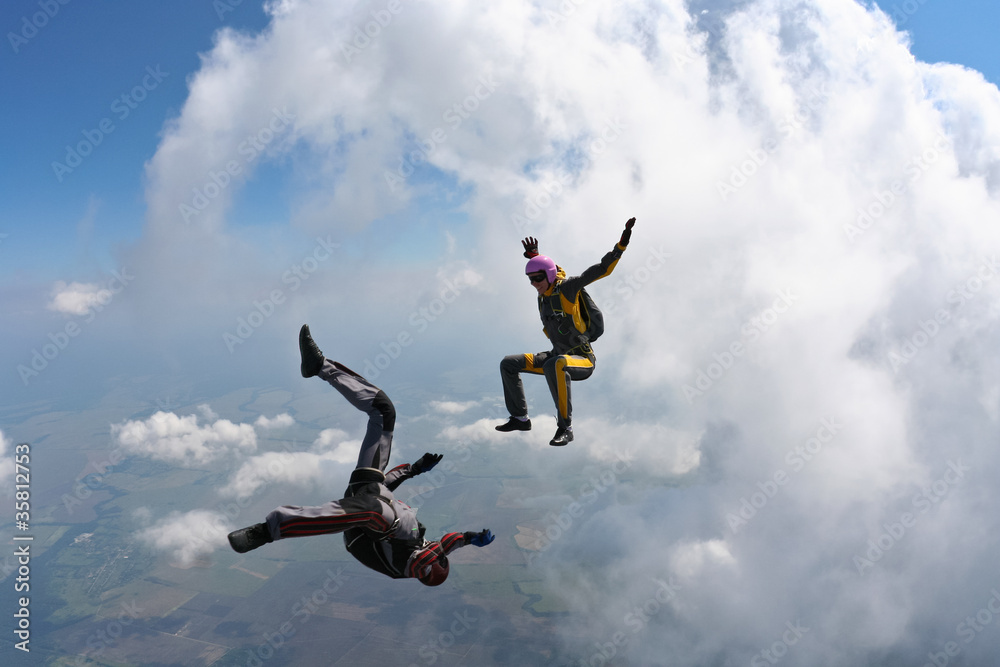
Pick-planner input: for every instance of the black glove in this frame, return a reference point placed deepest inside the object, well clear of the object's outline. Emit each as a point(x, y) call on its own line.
point(425, 463)
point(480, 539)
point(530, 247)
point(627, 234)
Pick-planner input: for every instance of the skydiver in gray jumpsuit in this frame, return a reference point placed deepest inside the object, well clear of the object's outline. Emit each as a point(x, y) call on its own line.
point(380, 531)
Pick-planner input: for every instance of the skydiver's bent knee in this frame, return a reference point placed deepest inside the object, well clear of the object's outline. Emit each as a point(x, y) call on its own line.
point(512, 363)
point(386, 409)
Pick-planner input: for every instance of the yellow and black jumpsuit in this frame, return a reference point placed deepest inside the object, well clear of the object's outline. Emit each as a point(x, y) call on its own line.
point(571, 357)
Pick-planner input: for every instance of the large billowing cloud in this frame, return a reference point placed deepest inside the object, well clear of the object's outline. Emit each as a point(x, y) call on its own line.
point(800, 338)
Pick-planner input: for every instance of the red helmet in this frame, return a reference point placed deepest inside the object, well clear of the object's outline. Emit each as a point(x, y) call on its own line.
point(542, 263)
point(430, 565)
point(435, 573)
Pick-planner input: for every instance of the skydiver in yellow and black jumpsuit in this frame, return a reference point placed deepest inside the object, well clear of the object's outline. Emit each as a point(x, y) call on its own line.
point(571, 356)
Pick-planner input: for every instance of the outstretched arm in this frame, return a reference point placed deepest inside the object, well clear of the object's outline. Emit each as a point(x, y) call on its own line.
point(403, 472)
point(453, 541)
point(603, 268)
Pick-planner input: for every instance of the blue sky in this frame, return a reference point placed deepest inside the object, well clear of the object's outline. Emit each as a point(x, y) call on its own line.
point(65, 80)
point(961, 31)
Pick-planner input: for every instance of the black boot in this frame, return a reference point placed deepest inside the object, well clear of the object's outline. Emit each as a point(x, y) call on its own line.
point(515, 424)
point(562, 437)
point(312, 356)
point(249, 538)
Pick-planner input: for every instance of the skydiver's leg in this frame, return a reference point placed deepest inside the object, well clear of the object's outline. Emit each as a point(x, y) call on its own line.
point(359, 392)
point(510, 373)
point(559, 371)
point(511, 368)
point(362, 511)
point(362, 394)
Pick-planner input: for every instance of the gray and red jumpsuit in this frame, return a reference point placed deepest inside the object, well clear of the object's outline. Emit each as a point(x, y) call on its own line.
point(380, 531)
point(571, 357)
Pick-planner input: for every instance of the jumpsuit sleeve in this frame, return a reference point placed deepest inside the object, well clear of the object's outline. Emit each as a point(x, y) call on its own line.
point(398, 475)
point(453, 541)
point(571, 286)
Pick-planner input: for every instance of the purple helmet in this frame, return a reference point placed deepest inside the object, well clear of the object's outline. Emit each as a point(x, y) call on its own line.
point(542, 263)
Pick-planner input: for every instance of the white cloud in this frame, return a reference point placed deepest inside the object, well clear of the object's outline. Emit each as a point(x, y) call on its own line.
point(331, 458)
point(78, 298)
point(169, 437)
point(452, 407)
point(207, 413)
point(283, 420)
point(185, 537)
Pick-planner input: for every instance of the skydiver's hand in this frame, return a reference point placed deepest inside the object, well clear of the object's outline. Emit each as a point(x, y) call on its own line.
point(530, 247)
point(425, 463)
point(627, 234)
point(480, 539)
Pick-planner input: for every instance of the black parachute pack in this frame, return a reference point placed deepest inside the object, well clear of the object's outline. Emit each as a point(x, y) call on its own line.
point(592, 316)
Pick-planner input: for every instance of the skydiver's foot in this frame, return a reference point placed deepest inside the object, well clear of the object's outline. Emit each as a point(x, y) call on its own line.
point(249, 538)
point(515, 424)
point(312, 356)
point(562, 437)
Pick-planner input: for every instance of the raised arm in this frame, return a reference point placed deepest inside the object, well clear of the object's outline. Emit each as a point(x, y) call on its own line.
point(602, 269)
point(403, 472)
